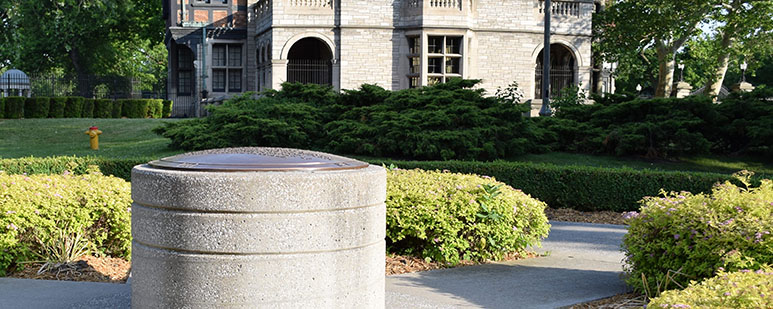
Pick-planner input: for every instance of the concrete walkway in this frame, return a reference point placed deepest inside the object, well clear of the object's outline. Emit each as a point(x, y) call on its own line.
point(583, 264)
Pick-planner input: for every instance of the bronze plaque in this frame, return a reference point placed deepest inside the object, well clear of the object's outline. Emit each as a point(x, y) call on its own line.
point(257, 160)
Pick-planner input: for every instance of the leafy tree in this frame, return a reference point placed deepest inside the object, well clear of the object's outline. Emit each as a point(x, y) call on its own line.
point(662, 25)
point(82, 36)
point(746, 29)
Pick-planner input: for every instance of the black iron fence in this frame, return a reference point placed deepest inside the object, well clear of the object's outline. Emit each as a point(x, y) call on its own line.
point(108, 87)
point(561, 76)
point(310, 71)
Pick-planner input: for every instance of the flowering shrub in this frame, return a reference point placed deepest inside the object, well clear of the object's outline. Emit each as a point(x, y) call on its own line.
point(681, 236)
point(448, 217)
point(36, 207)
point(741, 289)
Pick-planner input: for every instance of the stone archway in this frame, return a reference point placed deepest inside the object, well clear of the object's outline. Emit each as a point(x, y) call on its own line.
point(310, 61)
point(563, 70)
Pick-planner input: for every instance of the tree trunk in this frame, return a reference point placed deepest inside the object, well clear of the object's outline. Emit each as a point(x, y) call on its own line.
point(665, 72)
point(80, 72)
point(723, 59)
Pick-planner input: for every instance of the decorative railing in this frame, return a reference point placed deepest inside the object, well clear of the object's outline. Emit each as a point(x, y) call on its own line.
point(440, 4)
point(311, 3)
point(262, 8)
point(562, 8)
point(449, 4)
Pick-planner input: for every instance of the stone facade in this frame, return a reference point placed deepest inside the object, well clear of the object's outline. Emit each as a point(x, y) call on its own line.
point(394, 43)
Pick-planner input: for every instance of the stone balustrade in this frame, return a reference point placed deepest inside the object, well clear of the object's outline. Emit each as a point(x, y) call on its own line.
point(562, 8)
point(262, 8)
point(311, 3)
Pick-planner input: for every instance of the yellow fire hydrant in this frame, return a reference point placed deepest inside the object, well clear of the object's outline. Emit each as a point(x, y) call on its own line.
point(93, 134)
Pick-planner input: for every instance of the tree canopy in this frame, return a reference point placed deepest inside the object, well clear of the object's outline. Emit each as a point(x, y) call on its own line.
point(83, 37)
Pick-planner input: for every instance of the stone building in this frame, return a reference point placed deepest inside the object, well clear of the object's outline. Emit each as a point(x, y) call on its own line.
point(221, 47)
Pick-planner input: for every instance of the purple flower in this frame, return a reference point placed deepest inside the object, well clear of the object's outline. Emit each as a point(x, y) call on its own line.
point(727, 222)
point(739, 209)
point(486, 177)
point(676, 236)
point(10, 212)
point(630, 215)
point(436, 240)
point(727, 293)
point(745, 271)
point(11, 227)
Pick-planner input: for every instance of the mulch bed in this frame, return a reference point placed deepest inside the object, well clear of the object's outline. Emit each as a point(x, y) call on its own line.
point(86, 268)
point(571, 215)
point(622, 301)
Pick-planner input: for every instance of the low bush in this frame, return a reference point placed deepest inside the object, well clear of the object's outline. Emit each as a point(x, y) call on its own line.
point(73, 107)
point(134, 108)
point(88, 108)
point(57, 107)
point(448, 217)
point(740, 289)
point(14, 107)
point(683, 236)
point(103, 108)
point(578, 187)
point(2, 107)
point(36, 107)
point(166, 110)
point(35, 208)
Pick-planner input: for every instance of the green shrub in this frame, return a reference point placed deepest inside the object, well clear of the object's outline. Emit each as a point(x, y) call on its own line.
point(741, 289)
point(746, 123)
point(103, 108)
point(117, 110)
point(36, 107)
point(14, 107)
point(88, 108)
point(445, 121)
point(695, 234)
point(73, 107)
point(650, 127)
point(291, 118)
point(134, 108)
point(2, 107)
point(155, 108)
point(34, 207)
point(447, 217)
point(166, 110)
point(57, 107)
point(577, 187)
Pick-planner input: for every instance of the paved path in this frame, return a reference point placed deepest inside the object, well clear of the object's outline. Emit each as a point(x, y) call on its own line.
point(583, 264)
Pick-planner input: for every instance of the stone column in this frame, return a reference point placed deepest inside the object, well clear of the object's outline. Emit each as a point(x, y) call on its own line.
point(683, 89)
point(278, 73)
point(743, 87)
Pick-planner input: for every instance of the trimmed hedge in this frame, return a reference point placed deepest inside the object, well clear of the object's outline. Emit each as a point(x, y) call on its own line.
point(132, 108)
point(117, 108)
point(36, 107)
point(73, 107)
point(88, 108)
point(166, 110)
point(14, 107)
point(103, 108)
point(57, 107)
point(2, 107)
point(582, 188)
point(155, 108)
point(120, 168)
point(39, 211)
point(578, 187)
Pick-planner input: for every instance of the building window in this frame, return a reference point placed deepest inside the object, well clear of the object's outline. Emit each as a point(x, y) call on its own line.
point(227, 68)
point(414, 61)
point(184, 71)
point(444, 59)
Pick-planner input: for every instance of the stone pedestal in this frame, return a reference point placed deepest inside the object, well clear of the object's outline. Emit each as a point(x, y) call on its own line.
point(683, 89)
point(743, 87)
point(258, 228)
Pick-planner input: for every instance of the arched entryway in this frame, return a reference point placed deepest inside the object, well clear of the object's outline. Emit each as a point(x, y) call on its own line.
point(310, 62)
point(563, 70)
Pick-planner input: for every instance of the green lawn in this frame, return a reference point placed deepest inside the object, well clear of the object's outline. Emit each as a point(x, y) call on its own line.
point(121, 138)
point(132, 138)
